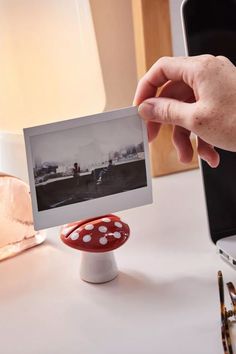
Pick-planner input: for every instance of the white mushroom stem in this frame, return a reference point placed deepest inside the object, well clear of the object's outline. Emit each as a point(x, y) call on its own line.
point(98, 267)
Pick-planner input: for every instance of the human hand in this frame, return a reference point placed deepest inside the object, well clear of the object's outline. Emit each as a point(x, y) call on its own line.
point(199, 96)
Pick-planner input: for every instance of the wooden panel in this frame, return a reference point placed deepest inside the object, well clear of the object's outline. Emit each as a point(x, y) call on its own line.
point(152, 34)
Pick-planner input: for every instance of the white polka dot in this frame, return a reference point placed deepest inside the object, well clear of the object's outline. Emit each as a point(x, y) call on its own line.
point(74, 236)
point(103, 240)
point(117, 234)
point(87, 238)
point(106, 220)
point(66, 230)
point(118, 224)
point(89, 227)
point(102, 229)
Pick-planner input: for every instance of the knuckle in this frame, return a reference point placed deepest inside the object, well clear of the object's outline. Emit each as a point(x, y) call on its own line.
point(164, 111)
point(206, 58)
point(161, 62)
point(222, 58)
point(204, 64)
point(163, 59)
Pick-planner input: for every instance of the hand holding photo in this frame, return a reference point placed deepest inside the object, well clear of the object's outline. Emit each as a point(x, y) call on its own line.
point(87, 167)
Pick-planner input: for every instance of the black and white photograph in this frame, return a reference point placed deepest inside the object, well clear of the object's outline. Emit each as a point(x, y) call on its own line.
point(96, 159)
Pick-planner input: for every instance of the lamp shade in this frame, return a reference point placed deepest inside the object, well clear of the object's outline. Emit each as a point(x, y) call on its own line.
point(49, 62)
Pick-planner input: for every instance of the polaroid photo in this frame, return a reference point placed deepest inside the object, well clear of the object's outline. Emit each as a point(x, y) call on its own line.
point(87, 167)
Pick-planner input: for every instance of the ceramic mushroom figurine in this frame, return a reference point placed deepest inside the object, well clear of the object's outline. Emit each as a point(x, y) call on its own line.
point(97, 238)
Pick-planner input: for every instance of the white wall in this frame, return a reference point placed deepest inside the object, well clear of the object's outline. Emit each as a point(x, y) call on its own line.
point(176, 28)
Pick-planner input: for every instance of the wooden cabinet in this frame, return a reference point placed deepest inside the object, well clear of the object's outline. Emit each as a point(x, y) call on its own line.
point(152, 33)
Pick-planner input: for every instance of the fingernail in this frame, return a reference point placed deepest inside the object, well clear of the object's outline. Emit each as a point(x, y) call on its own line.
point(211, 163)
point(146, 110)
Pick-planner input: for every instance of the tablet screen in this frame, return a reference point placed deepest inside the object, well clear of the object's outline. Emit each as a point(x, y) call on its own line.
point(210, 28)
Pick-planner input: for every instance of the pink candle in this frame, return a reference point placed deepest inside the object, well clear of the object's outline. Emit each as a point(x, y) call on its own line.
point(16, 220)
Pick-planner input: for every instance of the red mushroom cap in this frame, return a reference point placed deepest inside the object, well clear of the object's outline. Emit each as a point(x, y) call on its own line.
point(96, 235)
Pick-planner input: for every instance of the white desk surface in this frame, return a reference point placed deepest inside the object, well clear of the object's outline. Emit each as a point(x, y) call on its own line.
point(165, 299)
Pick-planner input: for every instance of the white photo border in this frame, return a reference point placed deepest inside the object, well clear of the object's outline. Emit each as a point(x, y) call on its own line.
point(93, 207)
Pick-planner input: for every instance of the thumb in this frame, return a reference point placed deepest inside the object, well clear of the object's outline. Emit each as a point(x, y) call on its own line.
point(167, 111)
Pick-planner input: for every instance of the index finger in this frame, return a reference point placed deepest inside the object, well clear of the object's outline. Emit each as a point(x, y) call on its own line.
point(164, 70)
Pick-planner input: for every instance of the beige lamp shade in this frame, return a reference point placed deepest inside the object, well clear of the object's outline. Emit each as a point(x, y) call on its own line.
point(49, 62)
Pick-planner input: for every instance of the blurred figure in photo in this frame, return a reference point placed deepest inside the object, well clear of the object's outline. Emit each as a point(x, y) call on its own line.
point(105, 173)
point(76, 173)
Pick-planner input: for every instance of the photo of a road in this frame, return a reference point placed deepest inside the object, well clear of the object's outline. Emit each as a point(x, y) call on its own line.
point(98, 183)
point(88, 162)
